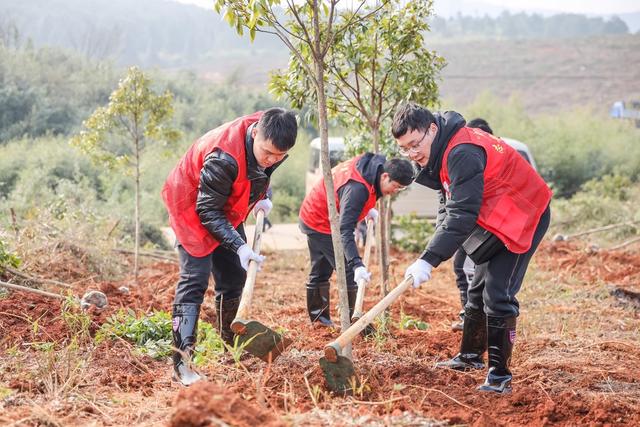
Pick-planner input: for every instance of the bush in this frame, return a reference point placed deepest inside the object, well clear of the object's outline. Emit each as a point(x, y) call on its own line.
point(7, 258)
point(411, 233)
point(609, 200)
point(570, 148)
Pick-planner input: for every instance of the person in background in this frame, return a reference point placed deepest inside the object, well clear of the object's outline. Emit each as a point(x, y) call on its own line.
point(358, 183)
point(463, 267)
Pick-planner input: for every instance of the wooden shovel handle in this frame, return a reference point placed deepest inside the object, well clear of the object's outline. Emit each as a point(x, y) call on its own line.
point(333, 349)
point(362, 284)
point(247, 291)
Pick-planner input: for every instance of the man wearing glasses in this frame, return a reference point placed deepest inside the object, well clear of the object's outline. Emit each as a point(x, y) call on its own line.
point(358, 183)
point(496, 208)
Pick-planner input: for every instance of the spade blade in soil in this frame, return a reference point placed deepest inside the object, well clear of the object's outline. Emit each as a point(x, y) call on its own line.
point(261, 341)
point(341, 375)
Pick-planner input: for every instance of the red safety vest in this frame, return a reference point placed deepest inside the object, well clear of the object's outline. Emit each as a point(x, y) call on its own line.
point(180, 190)
point(514, 196)
point(314, 211)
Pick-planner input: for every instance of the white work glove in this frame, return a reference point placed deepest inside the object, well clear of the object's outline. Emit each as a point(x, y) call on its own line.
point(372, 215)
point(265, 205)
point(420, 270)
point(246, 254)
point(361, 273)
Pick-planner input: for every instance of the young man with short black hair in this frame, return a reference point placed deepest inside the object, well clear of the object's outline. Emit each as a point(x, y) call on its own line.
point(493, 197)
point(209, 194)
point(358, 182)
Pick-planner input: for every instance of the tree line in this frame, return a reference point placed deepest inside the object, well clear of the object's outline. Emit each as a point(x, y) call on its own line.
point(527, 26)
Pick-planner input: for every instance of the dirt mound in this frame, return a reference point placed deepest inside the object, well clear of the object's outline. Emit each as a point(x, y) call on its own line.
point(116, 365)
point(206, 403)
point(32, 318)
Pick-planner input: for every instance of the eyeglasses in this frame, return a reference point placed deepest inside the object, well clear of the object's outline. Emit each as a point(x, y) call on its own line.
point(414, 147)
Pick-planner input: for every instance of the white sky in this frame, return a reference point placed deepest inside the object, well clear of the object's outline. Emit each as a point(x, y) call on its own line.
point(599, 7)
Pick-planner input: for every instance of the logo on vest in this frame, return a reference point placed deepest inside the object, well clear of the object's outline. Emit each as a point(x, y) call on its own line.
point(499, 148)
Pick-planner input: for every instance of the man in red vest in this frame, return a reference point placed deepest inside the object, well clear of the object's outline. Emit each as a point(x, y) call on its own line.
point(209, 194)
point(358, 183)
point(497, 208)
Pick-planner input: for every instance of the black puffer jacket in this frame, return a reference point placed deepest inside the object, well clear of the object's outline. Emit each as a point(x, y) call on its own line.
point(353, 196)
point(218, 173)
point(458, 215)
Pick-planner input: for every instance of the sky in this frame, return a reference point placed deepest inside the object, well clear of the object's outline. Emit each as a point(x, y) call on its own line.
point(600, 7)
point(446, 7)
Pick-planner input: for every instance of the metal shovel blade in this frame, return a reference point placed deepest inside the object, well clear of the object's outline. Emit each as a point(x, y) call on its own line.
point(260, 340)
point(340, 375)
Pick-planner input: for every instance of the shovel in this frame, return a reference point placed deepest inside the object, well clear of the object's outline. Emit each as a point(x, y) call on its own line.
point(338, 370)
point(253, 336)
point(362, 284)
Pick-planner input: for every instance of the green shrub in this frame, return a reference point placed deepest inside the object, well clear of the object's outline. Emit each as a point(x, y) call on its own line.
point(411, 233)
point(570, 147)
point(609, 200)
point(7, 258)
point(150, 334)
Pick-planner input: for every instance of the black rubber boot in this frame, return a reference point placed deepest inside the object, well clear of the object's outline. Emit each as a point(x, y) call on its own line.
point(473, 344)
point(352, 293)
point(319, 304)
point(185, 327)
point(226, 309)
point(501, 336)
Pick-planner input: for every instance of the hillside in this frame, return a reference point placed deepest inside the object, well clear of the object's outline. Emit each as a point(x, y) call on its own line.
point(548, 75)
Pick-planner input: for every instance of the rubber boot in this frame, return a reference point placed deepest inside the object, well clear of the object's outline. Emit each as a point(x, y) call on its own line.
point(459, 326)
point(501, 336)
point(185, 327)
point(473, 344)
point(226, 309)
point(352, 293)
point(319, 304)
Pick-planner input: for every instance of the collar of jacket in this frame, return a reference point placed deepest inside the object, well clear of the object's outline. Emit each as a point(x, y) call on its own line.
point(254, 171)
point(448, 124)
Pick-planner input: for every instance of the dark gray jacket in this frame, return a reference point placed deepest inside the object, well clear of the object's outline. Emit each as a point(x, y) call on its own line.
point(353, 196)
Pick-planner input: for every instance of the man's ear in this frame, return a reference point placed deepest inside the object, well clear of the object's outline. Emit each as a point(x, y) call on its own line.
point(254, 132)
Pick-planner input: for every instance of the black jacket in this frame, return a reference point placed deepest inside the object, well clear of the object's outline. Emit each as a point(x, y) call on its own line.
point(218, 173)
point(457, 215)
point(353, 196)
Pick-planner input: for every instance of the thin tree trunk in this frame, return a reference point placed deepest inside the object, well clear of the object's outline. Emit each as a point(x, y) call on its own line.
point(137, 213)
point(345, 320)
point(381, 235)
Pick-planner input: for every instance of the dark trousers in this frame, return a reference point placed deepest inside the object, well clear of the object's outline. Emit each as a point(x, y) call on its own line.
point(323, 260)
point(222, 264)
point(461, 277)
point(497, 281)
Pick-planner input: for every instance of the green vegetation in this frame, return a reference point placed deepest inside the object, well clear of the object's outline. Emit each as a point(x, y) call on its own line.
point(151, 335)
point(524, 26)
point(571, 147)
point(408, 322)
point(7, 258)
point(410, 233)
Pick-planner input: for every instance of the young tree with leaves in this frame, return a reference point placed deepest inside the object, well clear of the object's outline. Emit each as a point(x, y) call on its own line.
point(310, 30)
point(117, 134)
point(375, 65)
